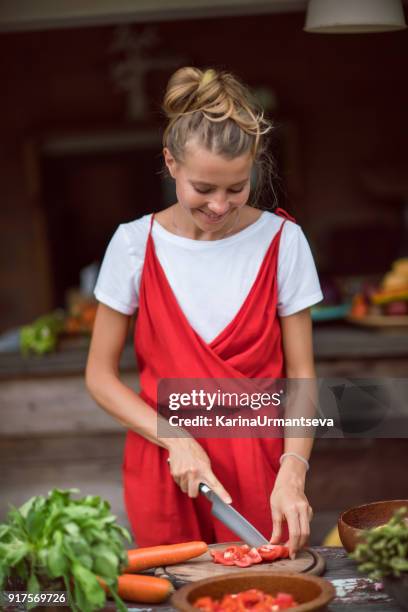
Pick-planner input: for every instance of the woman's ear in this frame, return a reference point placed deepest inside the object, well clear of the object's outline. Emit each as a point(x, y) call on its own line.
point(169, 161)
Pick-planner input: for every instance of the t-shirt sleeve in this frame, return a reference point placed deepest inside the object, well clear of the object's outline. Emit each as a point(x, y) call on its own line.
point(119, 275)
point(298, 282)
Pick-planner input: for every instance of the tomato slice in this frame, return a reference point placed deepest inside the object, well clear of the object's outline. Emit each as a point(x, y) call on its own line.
point(255, 556)
point(244, 561)
point(205, 603)
point(217, 556)
point(285, 552)
point(252, 600)
point(250, 597)
point(244, 556)
point(270, 552)
point(285, 601)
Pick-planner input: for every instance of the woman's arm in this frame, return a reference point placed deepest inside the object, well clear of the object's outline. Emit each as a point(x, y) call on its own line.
point(189, 464)
point(288, 501)
point(102, 375)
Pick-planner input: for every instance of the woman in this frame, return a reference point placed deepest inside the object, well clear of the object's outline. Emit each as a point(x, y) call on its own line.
point(222, 289)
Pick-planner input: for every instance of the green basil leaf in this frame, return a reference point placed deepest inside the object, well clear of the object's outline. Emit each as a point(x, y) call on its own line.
point(57, 562)
point(120, 606)
point(88, 583)
point(72, 529)
point(15, 553)
point(4, 531)
point(42, 557)
point(35, 519)
point(17, 521)
point(86, 561)
point(60, 497)
point(80, 598)
point(106, 564)
point(26, 507)
point(33, 587)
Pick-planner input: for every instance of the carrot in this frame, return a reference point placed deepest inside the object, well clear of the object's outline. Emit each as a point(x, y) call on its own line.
point(144, 589)
point(169, 554)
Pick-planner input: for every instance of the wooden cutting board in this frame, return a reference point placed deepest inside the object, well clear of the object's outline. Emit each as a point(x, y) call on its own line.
point(307, 562)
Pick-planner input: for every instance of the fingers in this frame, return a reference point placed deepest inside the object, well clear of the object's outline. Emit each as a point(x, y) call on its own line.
point(298, 518)
point(189, 481)
point(304, 526)
point(292, 518)
point(217, 487)
point(277, 518)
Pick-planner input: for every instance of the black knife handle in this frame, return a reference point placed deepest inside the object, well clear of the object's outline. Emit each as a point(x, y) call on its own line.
point(204, 489)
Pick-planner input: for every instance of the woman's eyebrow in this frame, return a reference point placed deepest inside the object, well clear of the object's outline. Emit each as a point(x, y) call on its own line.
point(209, 185)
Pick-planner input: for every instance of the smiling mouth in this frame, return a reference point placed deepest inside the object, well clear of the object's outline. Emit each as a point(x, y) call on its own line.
point(212, 217)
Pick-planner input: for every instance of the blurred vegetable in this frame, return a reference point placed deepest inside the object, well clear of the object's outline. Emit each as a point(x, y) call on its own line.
point(56, 539)
point(140, 559)
point(359, 306)
point(386, 297)
point(384, 550)
point(41, 336)
point(81, 317)
point(143, 589)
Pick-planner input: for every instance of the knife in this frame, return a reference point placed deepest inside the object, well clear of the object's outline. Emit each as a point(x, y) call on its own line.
point(232, 518)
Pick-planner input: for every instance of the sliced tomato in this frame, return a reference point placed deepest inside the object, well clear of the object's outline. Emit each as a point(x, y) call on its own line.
point(255, 556)
point(269, 600)
point(217, 556)
point(229, 604)
point(244, 556)
point(250, 597)
point(244, 561)
point(270, 552)
point(205, 603)
point(285, 601)
point(228, 561)
point(223, 557)
point(285, 552)
point(252, 600)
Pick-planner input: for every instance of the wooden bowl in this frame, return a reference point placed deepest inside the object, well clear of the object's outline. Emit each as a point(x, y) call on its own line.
point(353, 521)
point(310, 592)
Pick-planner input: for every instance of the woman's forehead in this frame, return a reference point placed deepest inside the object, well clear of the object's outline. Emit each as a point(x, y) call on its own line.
point(206, 166)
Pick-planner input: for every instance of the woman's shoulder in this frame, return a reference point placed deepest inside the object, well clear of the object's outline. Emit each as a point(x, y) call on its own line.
point(274, 222)
point(133, 234)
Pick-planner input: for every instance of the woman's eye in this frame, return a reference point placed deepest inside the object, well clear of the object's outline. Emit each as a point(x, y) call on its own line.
point(204, 191)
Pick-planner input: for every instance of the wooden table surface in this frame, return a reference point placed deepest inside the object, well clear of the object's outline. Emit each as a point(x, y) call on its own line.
point(354, 590)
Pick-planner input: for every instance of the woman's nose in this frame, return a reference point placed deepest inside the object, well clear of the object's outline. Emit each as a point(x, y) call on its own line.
point(218, 206)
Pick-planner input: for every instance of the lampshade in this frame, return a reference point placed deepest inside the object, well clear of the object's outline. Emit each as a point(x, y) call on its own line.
point(352, 16)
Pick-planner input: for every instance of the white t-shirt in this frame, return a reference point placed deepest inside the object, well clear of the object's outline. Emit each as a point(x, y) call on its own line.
point(209, 278)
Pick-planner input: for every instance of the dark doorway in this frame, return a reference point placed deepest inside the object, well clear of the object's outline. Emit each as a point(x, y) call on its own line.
point(86, 196)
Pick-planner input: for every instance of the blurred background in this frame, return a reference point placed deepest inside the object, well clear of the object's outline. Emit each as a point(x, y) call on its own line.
point(80, 152)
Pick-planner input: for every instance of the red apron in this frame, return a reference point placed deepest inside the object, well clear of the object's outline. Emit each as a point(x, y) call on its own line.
point(167, 346)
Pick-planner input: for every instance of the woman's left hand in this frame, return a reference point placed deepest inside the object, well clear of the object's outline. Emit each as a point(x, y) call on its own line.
point(289, 502)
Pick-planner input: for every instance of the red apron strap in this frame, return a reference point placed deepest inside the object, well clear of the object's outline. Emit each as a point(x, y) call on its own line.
point(282, 213)
point(151, 223)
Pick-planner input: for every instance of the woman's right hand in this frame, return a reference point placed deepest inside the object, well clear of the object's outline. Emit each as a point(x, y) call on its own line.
point(189, 465)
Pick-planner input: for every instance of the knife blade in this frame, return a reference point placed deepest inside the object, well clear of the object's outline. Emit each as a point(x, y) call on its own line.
point(232, 519)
